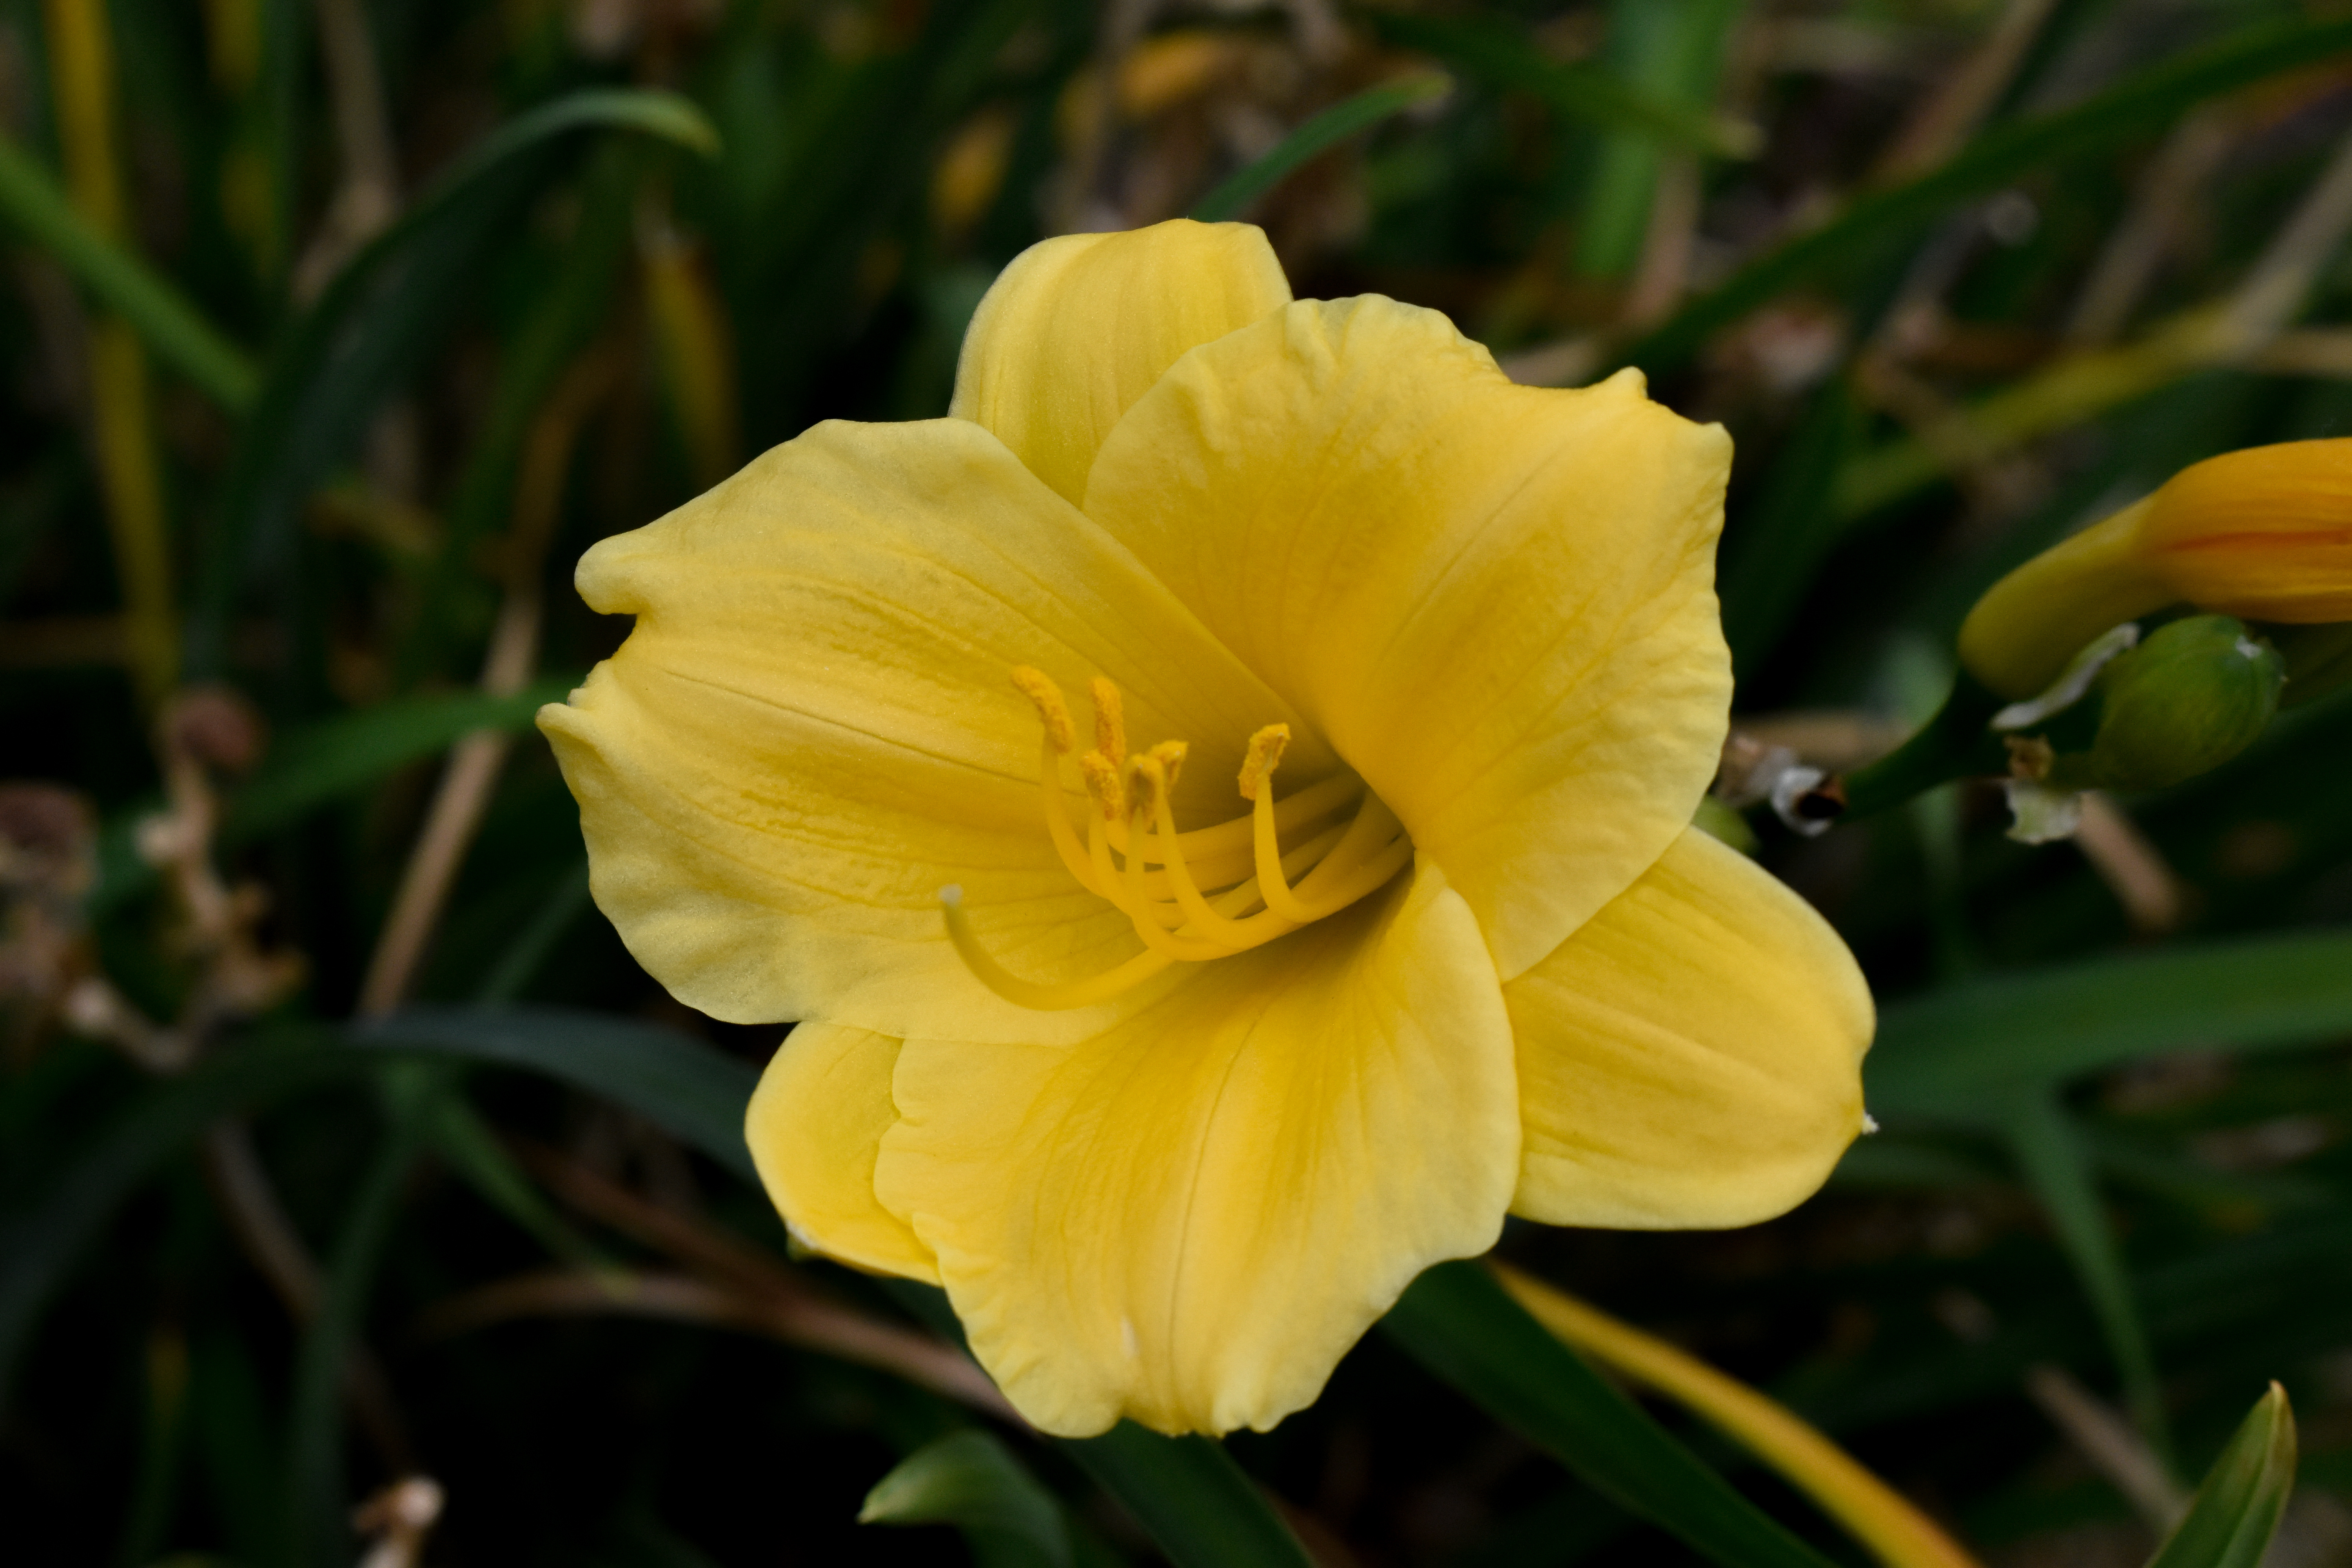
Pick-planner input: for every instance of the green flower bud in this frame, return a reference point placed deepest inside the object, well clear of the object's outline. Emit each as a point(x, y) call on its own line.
point(2186, 701)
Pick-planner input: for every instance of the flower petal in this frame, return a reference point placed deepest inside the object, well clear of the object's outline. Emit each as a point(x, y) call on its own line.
point(1188, 1219)
point(1692, 1057)
point(1497, 602)
point(812, 729)
point(1077, 328)
point(815, 1124)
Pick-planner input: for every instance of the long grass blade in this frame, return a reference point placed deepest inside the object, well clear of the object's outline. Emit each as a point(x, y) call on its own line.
point(1324, 131)
point(1458, 1321)
point(1994, 159)
point(166, 320)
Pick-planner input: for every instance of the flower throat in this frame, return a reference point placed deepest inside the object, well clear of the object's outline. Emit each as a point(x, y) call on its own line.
point(1209, 893)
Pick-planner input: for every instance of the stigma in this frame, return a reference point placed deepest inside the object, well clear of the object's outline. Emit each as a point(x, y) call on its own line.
point(1192, 897)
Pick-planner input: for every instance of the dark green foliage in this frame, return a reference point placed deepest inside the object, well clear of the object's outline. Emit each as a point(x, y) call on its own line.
point(2117, 1139)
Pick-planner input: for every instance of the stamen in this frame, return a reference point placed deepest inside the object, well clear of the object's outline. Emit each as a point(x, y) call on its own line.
point(1132, 829)
point(1200, 916)
point(1170, 755)
point(1110, 720)
point(1039, 687)
point(1265, 749)
point(1022, 993)
point(1057, 815)
point(1104, 786)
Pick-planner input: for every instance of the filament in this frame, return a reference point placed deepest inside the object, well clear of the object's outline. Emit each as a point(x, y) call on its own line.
point(1161, 880)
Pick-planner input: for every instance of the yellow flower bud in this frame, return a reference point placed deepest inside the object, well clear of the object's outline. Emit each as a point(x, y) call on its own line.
point(2265, 534)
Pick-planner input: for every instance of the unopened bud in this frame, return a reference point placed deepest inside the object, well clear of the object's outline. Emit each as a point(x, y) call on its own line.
point(2188, 698)
point(2265, 532)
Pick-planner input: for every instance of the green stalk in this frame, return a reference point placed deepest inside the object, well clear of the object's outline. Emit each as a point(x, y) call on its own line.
point(1956, 744)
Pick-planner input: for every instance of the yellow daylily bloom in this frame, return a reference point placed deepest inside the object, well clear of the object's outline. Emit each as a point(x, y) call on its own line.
point(1354, 905)
point(2264, 533)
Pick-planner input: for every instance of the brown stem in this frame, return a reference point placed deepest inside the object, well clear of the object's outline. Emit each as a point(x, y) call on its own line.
point(787, 1305)
point(258, 1221)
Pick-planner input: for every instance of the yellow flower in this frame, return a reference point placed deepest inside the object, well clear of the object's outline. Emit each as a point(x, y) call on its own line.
point(1461, 954)
point(2264, 533)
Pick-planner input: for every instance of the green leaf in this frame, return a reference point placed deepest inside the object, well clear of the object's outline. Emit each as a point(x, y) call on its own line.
point(165, 320)
point(1501, 53)
point(315, 1501)
point(573, 304)
point(1996, 158)
point(2236, 1510)
point(1673, 48)
point(314, 765)
point(382, 310)
point(2050, 1149)
point(41, 1242)
point(1951, 1056)
point(1462, 1325)
point(675, 1081)
point(971, 1480)
point(1198, 1506)
point(1336, 124)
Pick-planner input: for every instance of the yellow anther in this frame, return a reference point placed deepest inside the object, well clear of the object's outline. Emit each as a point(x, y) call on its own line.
point(1110, 719)
point(1104, 786)
point(1039, 687)
point(1265, 750)
point(1146, 777)
point(1170, 755)
point(1190, 896)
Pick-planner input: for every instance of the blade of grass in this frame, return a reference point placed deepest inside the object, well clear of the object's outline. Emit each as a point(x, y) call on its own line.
point(1458, 1321)
point(1198, 1506)
point(573, 306)
point(1897, 1533)
point(1672, 49)
point(1771, 556)
point(382, 310)
point(2237, 1509)
point(1996, 158)
point(166, 320)
point(1234, 193)
point(82, 74)
point(1500, 53)
point(971, 1480)
point(1950, 1054)
point(41, 1243)
point(318, 763)
point(316, 1506)
point(2050, 1151)
point(677, 1082)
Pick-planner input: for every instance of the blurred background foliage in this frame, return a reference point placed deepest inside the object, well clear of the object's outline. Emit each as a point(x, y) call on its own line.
point(333, 331)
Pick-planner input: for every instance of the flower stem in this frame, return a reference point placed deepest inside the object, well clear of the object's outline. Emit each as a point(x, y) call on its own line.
point(1956, 743)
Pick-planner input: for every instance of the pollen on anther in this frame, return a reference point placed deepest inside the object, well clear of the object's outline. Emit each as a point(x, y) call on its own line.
point(1104, 786)
point(1110, 719)
point(1144, 779)
point(1265, 750)
point(1039, 687)
point(1170, 755)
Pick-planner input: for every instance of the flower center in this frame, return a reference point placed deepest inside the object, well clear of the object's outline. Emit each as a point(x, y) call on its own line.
point(1209, 893)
